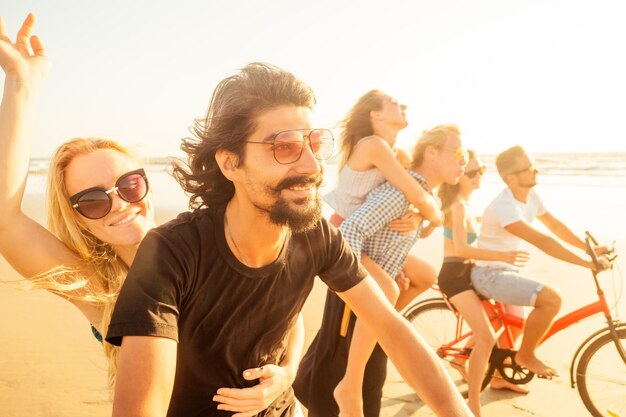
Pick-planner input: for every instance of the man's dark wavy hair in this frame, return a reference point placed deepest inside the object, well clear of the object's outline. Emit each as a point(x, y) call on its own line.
point(231, 118)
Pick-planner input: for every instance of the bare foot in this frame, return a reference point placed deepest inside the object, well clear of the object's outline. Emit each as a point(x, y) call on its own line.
point(350, 403)
point(499, 383)
point(460, 367)
point(533, 364)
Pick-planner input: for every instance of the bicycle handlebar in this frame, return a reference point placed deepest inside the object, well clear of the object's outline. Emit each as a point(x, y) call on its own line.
point(592, 243)
point(590, 236)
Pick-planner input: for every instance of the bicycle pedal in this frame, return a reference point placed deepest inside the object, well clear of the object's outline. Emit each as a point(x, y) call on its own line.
point(548, 377)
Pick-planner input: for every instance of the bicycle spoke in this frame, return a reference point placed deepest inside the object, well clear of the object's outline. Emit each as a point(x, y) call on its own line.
point(436, 323)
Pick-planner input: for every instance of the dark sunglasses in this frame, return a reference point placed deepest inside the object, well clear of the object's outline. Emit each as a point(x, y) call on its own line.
point(289, 144)
point(471, 174)
point(95, 203)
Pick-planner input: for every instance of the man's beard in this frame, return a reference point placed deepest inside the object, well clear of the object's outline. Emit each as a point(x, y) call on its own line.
point(282, 212)
point(298, 221)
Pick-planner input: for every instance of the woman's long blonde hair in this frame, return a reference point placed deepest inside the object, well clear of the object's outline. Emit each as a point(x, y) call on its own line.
point(358, 123)
point(448, 193)
point(101, 273)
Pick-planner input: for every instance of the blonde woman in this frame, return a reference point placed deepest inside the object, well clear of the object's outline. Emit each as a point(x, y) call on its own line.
point(100, 209)
point(460, 231)
point(93, 230)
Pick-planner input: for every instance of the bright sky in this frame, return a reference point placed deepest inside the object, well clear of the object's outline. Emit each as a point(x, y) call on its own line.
point(549, 74)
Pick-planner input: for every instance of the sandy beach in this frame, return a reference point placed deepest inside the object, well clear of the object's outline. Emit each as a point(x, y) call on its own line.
point(50, 365)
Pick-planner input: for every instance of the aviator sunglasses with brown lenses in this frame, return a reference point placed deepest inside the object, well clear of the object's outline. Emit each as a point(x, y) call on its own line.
point(288, 145)
point(95, 203)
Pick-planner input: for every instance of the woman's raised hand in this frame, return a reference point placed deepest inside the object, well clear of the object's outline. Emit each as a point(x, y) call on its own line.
point(16, 58)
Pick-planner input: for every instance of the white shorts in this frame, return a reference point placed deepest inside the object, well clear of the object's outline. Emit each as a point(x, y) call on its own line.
point(506, 285)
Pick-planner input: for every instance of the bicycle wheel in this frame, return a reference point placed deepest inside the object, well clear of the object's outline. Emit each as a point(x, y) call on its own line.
point(601, 377)
point(437, 324)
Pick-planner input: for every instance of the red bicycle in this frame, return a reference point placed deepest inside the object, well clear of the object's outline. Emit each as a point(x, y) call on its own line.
point(599, 365)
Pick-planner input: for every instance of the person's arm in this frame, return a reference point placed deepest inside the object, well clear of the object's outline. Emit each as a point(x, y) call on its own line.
point(547, 244)
point(561, 230)
point(145, 377)
point(464, 250)
point(411, 220)
point(273, 379)
point(378, 152)
point(28, 247)
point(23, 74)
point(415, 361)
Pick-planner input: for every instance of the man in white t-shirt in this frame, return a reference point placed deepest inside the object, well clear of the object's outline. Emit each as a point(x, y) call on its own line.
point(506, 222)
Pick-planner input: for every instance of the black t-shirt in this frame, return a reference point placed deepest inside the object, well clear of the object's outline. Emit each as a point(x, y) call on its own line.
point(186, 284)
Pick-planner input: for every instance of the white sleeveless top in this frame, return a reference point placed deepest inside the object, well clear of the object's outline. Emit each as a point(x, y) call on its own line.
point(352, 189)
